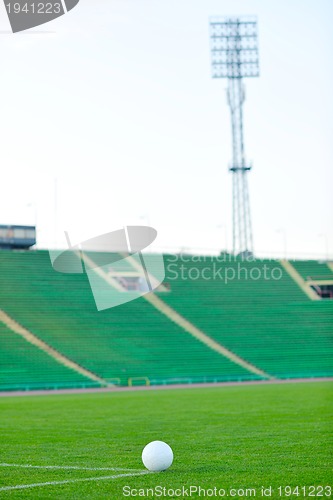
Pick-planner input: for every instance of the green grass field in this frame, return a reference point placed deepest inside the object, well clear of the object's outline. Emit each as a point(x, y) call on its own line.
point(225, 437)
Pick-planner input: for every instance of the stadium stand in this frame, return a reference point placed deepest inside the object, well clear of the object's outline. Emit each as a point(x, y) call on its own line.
point(269, 323)
point(131, 343)
point(313, 269)
point(24, 366)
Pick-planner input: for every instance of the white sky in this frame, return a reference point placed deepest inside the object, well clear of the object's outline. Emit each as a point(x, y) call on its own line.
point(115, 101)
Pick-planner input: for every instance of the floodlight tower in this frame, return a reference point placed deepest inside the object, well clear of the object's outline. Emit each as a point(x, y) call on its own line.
point(234, 49)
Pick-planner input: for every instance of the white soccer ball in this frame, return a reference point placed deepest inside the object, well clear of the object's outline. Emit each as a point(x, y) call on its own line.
point(157, 456)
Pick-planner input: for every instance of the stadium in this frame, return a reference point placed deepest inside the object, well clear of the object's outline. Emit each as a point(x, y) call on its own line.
point(111, 339)
point(196, 330)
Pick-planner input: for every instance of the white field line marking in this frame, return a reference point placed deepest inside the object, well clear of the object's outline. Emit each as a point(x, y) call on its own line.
point(73, 467)
point(54, 483)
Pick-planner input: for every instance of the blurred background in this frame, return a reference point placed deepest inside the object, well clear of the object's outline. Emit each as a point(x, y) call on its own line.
point(109, 117)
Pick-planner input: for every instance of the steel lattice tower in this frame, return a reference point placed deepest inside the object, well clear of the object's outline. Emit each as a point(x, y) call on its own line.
point(235, 56)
